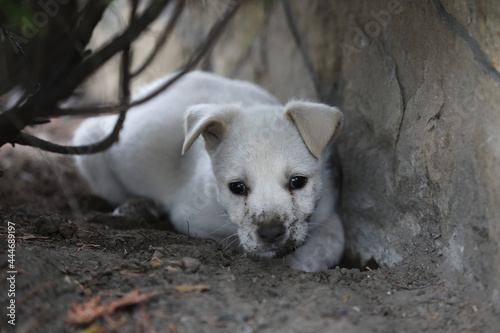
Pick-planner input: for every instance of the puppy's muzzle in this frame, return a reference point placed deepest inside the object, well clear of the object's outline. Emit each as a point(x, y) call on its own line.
point(274, 240)
point(273, 234)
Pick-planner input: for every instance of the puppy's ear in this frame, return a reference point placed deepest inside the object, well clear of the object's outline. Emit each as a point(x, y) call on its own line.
point(210, 120)
point(318, 124)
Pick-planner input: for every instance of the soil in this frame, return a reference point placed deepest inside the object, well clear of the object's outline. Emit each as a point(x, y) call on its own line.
point(80, 269)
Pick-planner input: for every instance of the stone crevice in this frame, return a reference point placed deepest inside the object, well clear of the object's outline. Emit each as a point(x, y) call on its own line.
point(481, 57)
point(404, 102)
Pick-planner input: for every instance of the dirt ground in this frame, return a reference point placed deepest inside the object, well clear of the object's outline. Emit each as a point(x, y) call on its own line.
point(81, 270)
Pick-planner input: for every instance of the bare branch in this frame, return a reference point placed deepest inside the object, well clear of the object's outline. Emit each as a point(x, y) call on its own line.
point(88, 111)
point(190, 65)
point(90, 20)
point(212, 36)
point(163, 37)
point(46, 98)
point(125, 76)
point(25, 139)
point(291, 21)
point(97, 59)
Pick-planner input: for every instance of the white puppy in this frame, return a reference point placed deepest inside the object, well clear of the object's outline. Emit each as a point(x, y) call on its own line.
point(239, 165)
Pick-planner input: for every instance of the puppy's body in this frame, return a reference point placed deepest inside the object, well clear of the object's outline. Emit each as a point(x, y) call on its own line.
point(236, 167)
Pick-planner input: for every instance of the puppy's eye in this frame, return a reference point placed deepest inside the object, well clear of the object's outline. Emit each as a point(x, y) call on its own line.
point(238, 188)
point(298, 182)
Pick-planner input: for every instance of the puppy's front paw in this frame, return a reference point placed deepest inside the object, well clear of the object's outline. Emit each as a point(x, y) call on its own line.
point(322, 251)
point(140, 209)
point(307, 261)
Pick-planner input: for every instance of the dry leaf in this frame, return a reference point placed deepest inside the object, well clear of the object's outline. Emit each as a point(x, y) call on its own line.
point(27, 237)
point(91, 309)
point(133, 297)
point(131, 272)
point(85, 313)
point(175, 262)
point(172, 269)
point(156, 262)
point(185, 288)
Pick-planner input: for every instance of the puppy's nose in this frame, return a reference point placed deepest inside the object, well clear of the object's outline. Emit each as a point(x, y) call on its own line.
point(271, 234)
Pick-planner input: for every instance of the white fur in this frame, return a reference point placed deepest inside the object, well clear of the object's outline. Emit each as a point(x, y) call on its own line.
point(233, 132)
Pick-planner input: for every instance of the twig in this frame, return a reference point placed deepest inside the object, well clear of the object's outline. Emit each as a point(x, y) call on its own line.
point(190, 65)
point(163, 37)
point(87, 245)
point(212, 36)
point(90, 19)
point(26, 139)
point(14, 42)
point(87, 111)
point(29, 237)
point(290, 19)
point(96, 60)
point(71, 43)
point(125, 64)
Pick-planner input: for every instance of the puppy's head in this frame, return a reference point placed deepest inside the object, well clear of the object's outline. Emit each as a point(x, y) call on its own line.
point(268, 165)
